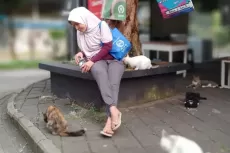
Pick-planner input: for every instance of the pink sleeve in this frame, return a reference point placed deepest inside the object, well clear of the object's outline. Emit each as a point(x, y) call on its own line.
point(104, 51)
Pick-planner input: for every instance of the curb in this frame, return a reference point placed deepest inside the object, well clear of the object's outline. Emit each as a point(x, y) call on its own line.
point(38, 142)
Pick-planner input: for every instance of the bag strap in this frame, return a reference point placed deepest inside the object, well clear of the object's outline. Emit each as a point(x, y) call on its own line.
point(100, 31)
point(100, 25)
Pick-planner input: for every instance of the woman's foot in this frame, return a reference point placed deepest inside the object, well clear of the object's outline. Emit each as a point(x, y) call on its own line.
point(107, 131)
point(115, 117)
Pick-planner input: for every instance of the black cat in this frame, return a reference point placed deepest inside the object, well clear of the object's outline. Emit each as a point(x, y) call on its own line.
point(192, 99)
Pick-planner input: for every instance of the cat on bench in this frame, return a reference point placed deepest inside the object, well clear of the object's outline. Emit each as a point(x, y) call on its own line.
point(140, 62)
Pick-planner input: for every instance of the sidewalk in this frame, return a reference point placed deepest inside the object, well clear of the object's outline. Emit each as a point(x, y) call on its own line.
point(141, 128)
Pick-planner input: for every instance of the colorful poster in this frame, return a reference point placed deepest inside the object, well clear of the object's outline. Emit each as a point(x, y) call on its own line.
point(95, 7)
point(172, 8)
point(114, 9)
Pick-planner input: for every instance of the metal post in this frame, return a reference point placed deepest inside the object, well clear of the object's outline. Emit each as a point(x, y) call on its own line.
point(71, 42)
point(84, 3)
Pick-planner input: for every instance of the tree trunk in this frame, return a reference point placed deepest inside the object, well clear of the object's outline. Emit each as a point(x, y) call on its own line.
point(129, 27)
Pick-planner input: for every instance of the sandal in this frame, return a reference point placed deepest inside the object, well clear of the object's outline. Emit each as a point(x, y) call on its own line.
point(107, 131)
point(106, 134)
point(118, 124)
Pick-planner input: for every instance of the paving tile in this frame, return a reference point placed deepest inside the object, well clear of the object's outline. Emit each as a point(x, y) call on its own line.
point(123, 132)
point(93, 135)
point(31, 102)
point(37, 89)
point(91, 126)
point(19, 104)
point(153, 149)
point(98, 146)
point(39, 85)
point(132, 150)
point(72, 145)
point(125, 143)
point(43, 107)
point(31, 112)
point(34, 95)
point(21, 97)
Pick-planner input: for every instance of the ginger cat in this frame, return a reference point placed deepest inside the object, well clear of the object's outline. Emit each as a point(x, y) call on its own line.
point(57, 124)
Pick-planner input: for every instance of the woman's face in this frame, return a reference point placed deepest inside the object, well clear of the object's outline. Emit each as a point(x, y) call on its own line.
point(79, 26)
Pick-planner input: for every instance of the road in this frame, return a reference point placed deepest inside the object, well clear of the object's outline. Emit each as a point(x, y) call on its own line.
point(17, 79)
point(11, 141)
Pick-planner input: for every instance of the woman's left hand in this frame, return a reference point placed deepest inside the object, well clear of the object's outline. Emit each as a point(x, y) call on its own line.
point(87, 66)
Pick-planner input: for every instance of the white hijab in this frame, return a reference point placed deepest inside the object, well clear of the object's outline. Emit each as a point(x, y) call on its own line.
point(88, 41)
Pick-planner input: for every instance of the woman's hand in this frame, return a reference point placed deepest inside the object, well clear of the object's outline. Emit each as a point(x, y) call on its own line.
point(77, 56)
point(87, 66)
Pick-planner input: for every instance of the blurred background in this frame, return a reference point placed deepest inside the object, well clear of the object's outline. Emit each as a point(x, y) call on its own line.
point(37, 30)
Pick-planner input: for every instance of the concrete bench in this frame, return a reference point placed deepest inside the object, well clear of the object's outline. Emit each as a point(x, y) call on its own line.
point(136, 87)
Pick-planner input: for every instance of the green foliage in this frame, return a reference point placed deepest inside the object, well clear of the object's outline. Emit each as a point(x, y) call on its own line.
point(221, 33)
point(216, 19)
point(57, 34)
point(95, 115)
point(19, 64)
point(91, 113)
point(209, 26)
point(222, 36)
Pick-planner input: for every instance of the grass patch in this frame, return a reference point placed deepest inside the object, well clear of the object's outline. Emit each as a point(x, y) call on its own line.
point(95, 115)
point(19, 64)
point(91, 113)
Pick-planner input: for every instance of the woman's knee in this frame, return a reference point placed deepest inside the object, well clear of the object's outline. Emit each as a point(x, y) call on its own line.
point(116, 71)
point(99, 68)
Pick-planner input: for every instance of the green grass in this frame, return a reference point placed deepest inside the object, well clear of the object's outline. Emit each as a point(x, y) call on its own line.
point(19, 64)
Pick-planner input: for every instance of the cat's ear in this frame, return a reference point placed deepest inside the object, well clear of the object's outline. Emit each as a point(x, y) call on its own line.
point(164, 133)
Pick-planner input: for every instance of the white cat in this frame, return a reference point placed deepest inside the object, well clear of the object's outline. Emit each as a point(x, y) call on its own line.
point(140, 62)
point(178, 144)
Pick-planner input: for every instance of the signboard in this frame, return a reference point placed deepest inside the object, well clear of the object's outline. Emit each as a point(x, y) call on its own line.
point(172, 8)
point(95, 7)
point(114, 9)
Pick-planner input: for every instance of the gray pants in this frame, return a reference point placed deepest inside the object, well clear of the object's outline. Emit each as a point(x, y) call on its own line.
point(107, 74)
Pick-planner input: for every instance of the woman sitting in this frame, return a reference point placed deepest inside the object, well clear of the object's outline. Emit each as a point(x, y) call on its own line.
point(106, 70)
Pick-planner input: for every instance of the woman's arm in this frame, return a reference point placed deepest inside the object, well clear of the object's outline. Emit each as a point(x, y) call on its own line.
point(104, 51)
point(83, 54)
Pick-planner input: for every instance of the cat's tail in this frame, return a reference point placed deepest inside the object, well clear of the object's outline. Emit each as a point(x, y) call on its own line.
point(74, 133)
point(219, 86)
point(203, 98)
point(153, 67)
